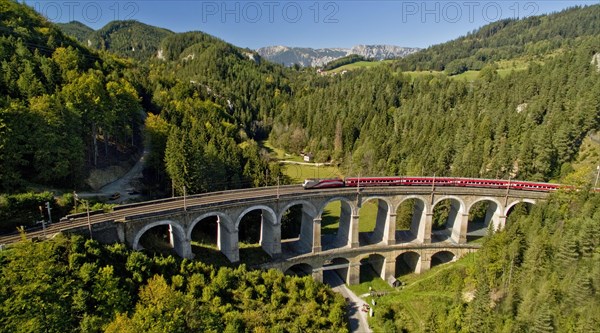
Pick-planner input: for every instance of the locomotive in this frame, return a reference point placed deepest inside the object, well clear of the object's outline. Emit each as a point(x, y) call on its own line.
point(320, 183)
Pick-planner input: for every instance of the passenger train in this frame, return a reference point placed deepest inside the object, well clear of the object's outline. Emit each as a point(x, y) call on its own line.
point(320, 183)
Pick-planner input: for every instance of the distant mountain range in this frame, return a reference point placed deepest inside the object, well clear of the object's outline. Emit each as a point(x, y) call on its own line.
point(305, 56)
point(141, 41)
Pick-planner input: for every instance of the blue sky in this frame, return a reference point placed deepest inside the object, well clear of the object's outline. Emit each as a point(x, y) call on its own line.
point(252, 24)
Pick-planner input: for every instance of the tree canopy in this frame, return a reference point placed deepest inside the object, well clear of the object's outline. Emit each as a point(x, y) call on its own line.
point(73, 284)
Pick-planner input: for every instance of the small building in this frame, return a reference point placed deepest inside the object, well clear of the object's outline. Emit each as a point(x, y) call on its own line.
point(308, 157)
point(393, 282)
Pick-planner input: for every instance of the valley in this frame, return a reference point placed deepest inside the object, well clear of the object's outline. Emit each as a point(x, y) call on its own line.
point(515, 99)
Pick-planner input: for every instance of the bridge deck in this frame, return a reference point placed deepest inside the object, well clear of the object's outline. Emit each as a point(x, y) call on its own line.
point(191, 204)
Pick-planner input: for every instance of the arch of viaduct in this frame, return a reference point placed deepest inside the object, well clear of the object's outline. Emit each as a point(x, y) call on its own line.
point(385, 241)
point(384, 262)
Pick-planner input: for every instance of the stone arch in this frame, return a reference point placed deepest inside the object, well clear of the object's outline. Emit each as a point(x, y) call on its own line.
point(306, 205)
point(421, 198)
point(271, 215)
point(304, 243)
point(418, 222)
point(387, 200)
point(372, 265)
point(333, 199)
point(347, 233)
point(270, 229)
point(492, 199)
point(299, 269)
point(451, 197)
point(455, 226)
point(494, 215)
point(224, 221)
point(510, 205)
point(339, 266)
point(178, 239)
point(382, 220)
point(442, 257)
point(224, 231)
point(407, 262)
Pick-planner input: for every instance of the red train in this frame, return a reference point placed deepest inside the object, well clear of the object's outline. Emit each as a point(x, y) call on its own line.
point(316, 183)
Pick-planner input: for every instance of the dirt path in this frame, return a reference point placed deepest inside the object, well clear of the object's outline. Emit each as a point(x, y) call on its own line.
point(123, 186)
point(357, 318)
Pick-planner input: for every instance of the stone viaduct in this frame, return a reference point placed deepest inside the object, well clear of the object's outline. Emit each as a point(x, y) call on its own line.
point(386, 249)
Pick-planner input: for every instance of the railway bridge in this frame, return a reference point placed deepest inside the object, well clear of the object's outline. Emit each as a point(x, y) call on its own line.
point(312, 250)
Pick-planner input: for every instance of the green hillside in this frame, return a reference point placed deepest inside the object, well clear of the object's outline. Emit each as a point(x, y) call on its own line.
point(78, 30)
point(531, 37)
point(131, 39)
point(66, 109)
point(63, 108)
point(514, 117)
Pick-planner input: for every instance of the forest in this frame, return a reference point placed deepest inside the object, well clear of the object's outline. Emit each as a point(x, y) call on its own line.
point(527, 125)
point(202, 108)
point(66, 109)
point(77, 285)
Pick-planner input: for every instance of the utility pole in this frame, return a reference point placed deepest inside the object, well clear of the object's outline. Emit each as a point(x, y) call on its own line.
point(433, 188)
point(507, 192)
point(267, 177)
point(43, 221)
point(184, 203)
point(87, 206)
point(317, 169)
point(87, 209)
point(49, 214)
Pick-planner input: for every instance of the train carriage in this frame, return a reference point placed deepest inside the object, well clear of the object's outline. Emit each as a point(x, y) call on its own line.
point(317, 183)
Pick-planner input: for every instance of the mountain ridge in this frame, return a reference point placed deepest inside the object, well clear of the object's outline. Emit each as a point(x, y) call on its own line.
point(125, 38)
point(311, 57)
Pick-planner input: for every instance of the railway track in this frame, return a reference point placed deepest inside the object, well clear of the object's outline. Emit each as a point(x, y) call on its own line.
point(262, 194)
point(121, 213)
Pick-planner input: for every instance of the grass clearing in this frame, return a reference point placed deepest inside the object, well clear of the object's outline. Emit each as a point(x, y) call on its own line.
point(415, 74)
point(505, 67)
point(299, 172)
point(331, 217)
point(468, 76)
point(375, 284)
point(278, 153)
point(367, 216)
point(434, 289)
